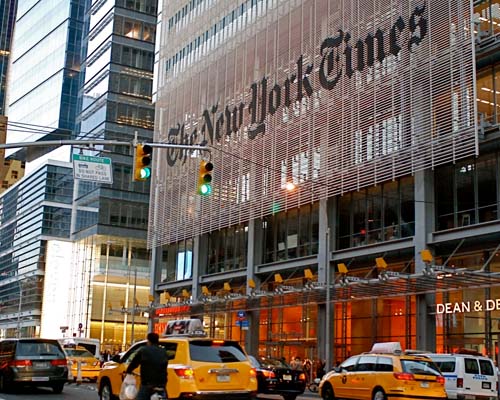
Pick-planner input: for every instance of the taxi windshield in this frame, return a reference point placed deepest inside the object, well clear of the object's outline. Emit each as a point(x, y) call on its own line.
point(78, 353)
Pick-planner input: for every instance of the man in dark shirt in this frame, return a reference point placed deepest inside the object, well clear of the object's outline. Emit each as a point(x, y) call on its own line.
point(153, 361)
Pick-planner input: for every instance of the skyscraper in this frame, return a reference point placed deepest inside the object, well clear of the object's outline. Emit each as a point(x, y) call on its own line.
point(42, 97)
point(43, 84)
point(111, 219)
point(7, 18)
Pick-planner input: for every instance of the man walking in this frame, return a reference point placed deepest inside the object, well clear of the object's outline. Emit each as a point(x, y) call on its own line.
point(153, 361)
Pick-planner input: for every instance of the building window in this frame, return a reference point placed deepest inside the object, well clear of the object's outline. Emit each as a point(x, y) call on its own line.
point(227, 249)
point(486, 18)
point(376, 214)
point(291, 234)
point(467, 193)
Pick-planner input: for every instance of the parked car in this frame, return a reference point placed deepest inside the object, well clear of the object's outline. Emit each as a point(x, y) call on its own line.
point(469, 375)
point(32, 362)
point(89, 365)
point(384, 373)
point(276, 377)
point(199, 368)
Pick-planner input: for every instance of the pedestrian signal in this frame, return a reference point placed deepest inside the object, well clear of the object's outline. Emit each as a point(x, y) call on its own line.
point(142, 162)
point(205, 178)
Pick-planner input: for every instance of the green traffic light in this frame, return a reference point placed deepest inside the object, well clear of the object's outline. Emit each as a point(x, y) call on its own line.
point(205, 189)
point(145, 173)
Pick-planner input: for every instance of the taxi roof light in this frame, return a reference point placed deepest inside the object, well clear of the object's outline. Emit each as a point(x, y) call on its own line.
point(387, 348)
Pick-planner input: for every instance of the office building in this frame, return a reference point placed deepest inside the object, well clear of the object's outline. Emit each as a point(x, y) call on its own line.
point(36, 212)
point(35, 217)
point(355, 184)
point(110, 224)
point(8, 16)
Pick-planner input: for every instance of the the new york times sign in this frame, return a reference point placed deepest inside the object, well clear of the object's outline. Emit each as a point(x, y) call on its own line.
point(341, 55)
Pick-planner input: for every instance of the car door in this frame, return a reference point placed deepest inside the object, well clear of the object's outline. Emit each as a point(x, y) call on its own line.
point(120, 369)
point(363, 378)
point(343, 380)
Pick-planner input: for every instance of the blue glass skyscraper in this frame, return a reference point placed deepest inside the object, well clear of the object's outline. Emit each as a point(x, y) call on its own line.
point(7, 18)
point(43, 84)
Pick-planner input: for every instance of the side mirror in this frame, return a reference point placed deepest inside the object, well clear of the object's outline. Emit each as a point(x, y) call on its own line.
point(116, 358)
point(337, 369)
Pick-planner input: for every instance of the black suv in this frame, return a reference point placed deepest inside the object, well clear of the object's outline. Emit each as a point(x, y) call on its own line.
point(32, 362)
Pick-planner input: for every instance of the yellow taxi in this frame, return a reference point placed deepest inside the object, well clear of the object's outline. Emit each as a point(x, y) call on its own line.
point(89, 365)
point(198, 368)
point(384, 373)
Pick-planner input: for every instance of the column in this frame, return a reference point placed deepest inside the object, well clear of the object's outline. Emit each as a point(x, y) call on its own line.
point(424, 225)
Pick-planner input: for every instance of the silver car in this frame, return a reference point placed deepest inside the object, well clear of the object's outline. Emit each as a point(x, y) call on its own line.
point(32, 362)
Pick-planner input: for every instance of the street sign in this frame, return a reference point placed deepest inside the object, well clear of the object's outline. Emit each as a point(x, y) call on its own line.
point(95, 169)
point(241, 314)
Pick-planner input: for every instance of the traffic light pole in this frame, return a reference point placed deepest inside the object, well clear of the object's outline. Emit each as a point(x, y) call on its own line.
point(85, 142)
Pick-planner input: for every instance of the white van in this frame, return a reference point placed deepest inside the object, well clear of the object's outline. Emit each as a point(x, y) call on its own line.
point(468, 376)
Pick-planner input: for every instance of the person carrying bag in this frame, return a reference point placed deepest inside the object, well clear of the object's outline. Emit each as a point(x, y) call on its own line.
point(153, 361)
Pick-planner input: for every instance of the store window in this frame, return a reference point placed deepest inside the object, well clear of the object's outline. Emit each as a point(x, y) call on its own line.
point(291, 234)
point(466, 193)
point(373, 215)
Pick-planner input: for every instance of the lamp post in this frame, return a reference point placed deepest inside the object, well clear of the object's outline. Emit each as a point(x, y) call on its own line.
point(19, 309)
point(328, 307)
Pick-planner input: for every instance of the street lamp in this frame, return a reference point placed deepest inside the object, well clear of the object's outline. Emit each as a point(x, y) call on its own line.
point(18, 333)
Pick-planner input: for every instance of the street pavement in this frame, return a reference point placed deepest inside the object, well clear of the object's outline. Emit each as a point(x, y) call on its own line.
point(88, 391)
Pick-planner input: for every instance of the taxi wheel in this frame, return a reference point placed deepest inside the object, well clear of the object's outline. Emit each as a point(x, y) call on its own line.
point(106, 393)
point(327, 392)
point(379, 394)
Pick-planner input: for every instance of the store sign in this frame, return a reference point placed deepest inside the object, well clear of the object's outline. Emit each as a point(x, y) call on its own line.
point(468, 306)
point(332, 96)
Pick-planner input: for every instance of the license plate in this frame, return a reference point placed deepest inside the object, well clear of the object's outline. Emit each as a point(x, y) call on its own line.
point(424, 384)
point(41, 365)
point(223, 378)
point(486, 385)
point(287, 377)
point(40, 379)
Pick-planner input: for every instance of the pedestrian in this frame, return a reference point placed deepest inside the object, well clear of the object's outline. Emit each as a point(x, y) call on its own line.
point(296, 363)
point(153, 361)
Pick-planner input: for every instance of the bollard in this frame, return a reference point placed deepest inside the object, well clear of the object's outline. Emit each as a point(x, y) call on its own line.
point(79, 372)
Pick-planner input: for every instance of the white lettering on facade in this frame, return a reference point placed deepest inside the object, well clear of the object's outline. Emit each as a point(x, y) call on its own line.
point(465, 306)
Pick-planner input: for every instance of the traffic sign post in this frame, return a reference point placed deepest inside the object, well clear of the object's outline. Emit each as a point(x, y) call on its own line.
point(95, 169)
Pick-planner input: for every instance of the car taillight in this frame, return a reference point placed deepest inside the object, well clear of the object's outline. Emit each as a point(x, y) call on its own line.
point(460, 382)
point(404, 376)
point(20, 363)
point(440, 379)
point(268, 374)
point(302, 377)
point(184, 373)
point(253, 373)
point(59, 362)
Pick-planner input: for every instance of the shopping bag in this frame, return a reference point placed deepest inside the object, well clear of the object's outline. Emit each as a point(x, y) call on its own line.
point(128, 391)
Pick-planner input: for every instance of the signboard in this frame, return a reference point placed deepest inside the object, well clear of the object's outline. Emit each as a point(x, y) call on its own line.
point(360, 93)
point(95, 169)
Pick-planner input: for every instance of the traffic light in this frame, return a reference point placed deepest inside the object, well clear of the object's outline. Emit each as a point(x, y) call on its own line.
point(205, 178)
point(142, 160)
